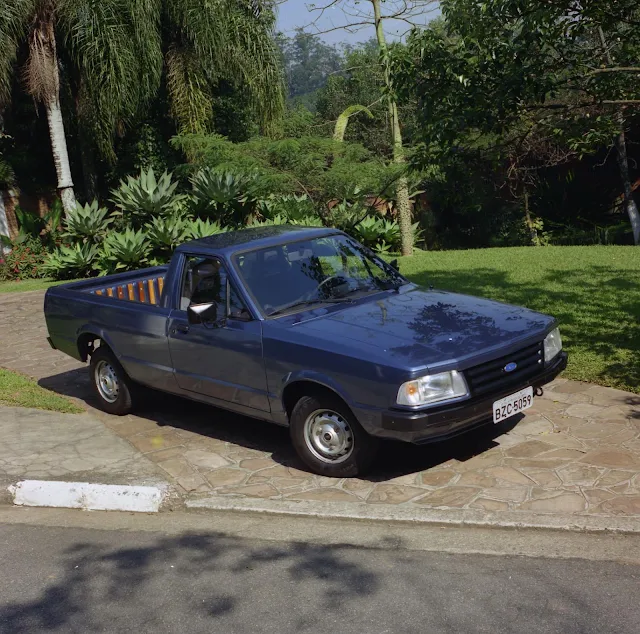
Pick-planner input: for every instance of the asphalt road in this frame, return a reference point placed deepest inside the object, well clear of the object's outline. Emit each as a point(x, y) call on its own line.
point(78, 579)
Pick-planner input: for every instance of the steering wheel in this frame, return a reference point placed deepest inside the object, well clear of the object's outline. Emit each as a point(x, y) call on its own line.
point(314, 292)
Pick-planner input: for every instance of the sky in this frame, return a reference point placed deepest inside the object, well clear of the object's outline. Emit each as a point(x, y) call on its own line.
point(295, 13)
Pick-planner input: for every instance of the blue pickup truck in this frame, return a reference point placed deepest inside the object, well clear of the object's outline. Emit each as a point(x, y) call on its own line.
point(305, 327)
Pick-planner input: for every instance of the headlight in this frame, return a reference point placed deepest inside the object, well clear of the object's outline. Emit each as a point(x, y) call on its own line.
point(432, 389)
point(552, 345)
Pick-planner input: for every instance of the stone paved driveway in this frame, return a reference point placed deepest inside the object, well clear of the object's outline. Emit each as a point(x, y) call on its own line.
point(577, 451)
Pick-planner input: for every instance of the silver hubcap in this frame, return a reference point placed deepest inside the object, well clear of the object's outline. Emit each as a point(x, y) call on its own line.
point(328, 436)
point(107, 382)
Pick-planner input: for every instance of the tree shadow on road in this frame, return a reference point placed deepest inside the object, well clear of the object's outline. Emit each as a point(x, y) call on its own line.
point(213, 575)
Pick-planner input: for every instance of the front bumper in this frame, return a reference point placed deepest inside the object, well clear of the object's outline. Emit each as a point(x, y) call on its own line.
point(441, 423)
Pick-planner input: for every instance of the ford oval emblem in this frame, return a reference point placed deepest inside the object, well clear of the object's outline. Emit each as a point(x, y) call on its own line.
point(510, 367)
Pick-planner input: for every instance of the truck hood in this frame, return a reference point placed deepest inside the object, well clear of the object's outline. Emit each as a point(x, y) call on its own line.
point(422, 329)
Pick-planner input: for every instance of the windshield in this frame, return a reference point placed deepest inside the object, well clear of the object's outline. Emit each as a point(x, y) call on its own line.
point(330, 268)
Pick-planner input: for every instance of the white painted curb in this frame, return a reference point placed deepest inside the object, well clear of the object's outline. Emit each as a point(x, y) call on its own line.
point(91, 497)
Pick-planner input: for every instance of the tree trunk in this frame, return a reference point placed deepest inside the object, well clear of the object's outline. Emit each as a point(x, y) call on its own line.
point(623, 161)
point(60, 154)
point(623, 165)
point(44, 81)
point(402, 185)
point(4, 225)
point(533, 232)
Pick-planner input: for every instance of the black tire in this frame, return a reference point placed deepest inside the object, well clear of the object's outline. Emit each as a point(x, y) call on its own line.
point(327, 412)
point(116, 383)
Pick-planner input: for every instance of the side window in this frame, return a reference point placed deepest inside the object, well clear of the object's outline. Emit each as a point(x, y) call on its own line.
point(205, 281)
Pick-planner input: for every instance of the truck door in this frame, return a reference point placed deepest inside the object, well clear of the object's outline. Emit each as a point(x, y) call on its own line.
point(221, 359)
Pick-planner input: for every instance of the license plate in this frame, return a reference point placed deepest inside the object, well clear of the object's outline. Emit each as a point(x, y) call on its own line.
point(512, 404)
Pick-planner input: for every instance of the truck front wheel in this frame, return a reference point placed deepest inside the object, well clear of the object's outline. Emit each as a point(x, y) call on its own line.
point(328, 438)
point(110, 382)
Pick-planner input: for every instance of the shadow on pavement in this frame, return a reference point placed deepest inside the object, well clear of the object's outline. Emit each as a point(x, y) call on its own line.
point(101, 588)
point(395, 459)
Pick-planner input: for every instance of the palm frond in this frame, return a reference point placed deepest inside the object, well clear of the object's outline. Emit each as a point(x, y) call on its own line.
point(115, 46)
point(14, 24)
point(191, 104)
point(233, 40)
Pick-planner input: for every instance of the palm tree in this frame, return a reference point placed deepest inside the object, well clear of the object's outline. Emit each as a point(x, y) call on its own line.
point(112, 55)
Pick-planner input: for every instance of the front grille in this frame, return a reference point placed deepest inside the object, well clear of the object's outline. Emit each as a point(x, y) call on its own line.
point(492, 377)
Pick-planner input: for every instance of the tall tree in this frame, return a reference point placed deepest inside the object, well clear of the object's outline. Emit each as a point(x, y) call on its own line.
point(563, 70)
point(405, 11)
point(112, 55)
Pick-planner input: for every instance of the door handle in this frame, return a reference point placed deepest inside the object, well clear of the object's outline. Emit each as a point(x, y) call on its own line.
point(183, 328)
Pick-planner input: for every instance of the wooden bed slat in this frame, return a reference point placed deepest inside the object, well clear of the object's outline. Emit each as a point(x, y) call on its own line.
point(152, 291)
point(141, 294)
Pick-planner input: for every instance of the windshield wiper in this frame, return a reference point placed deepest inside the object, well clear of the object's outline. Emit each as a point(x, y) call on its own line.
point(309, 302)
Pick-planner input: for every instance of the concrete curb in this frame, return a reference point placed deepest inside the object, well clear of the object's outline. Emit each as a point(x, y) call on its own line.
point(405, 514)
point(87, 496)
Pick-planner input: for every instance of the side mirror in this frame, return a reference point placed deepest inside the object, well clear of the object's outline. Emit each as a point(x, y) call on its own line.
point(201, 313)
point(394, 265)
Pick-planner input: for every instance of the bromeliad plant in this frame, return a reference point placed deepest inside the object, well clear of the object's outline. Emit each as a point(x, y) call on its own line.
point(143, 198)
point(69, 262)
point(196, 229)
point(224, 196)
point(87, 223)
point(165, 234)
point(124, 251)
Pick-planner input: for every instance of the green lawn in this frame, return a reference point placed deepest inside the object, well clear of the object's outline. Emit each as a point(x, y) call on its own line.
point(27, 285)
point(593, 291)
point(19, 391)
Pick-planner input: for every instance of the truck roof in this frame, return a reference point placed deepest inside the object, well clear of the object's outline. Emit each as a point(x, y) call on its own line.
point(254, 238)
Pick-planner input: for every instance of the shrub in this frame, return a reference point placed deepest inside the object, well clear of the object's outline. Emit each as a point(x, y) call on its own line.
point(196, 229)
point(25, 261)
point(69, 262)
point(143, 198)
point(225, 196)
point(165, 234)
point(124, 251)
point(87, 223)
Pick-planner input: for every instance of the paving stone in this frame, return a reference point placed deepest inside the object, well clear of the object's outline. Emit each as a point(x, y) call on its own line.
point(475, 479)
point(529, 449)
point(623, 505)
point(453, 496)
point(510, 475)
point(255, 491)
point(287, 483)
point(582, 475)
point(568, 455)
point(544, 477)
point(393, 494)
point(437, 478)
point(224, 477)
point(597, 496)
point(612, 458)
point(532, 426)
point(409, 479)
point(165, 454)
point(206, 459)
point(570, 387)
point(585, 411)
point(324, 495)
point(255, 464)
point(510, 494)
point(596, 430)
point(155, 441)
point(556, 503)
point(489, 505)
point(360, 488)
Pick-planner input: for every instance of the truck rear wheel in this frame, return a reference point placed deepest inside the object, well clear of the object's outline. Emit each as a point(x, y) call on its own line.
point(110, 382)
point(328, 438)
